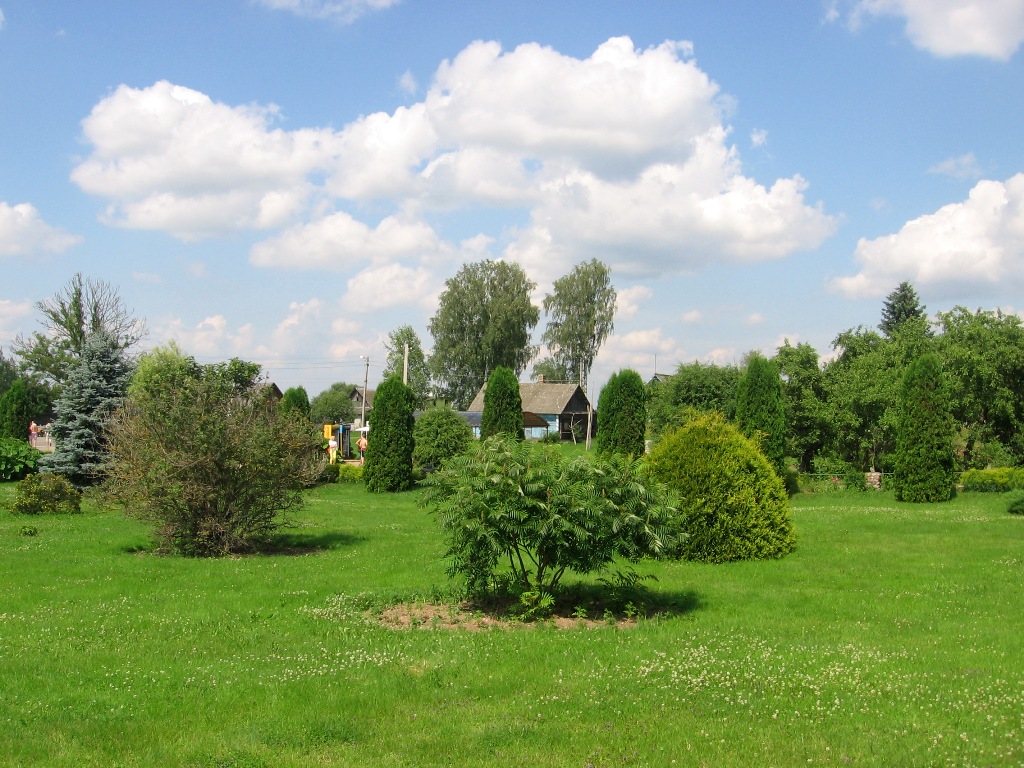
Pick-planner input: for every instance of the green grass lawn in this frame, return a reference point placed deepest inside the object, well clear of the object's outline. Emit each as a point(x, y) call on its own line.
point(892, 636)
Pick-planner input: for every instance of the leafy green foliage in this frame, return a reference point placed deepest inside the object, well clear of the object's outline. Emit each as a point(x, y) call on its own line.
point(923, 461)
point(622, 414)
point(529, 507)
point(484, 319)
point(804, 397)
point(8, 373)
point(350, 473)
point(94, 389)
point(82, 308)
point(25, 401)
point(736, 506)
point(439, 434)
point(581, 314)
point(389, 454)
point(334, 405)
point(17, 459)
point(46, 495)
point(212, 462)
point(702, 387)
point(503, 405)
point(295, 400)
point(418, 373)
point(552, 371)
point(761, 410)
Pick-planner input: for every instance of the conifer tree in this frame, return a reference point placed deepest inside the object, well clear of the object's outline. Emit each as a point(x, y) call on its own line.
point(761, 409)
point(389, 455)
point(622, 415)
point(94, 389)
point(923, 460)
point(900, 305)
point(503, 405)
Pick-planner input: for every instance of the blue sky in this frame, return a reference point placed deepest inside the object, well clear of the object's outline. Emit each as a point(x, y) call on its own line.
point(289, 180)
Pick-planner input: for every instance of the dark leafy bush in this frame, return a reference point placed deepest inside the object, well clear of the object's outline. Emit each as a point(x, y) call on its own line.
point(17, 459)
point(528, 507)
point(439, 434)
point(1015, 503)
point(329, 474)
point(213, 463)
point(735, 505)
point(47, 494)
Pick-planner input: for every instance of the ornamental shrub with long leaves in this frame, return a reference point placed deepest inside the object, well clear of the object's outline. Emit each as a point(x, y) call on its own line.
point(526, 512)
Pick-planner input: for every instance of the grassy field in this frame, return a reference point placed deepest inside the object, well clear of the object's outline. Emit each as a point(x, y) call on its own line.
point(892, 636)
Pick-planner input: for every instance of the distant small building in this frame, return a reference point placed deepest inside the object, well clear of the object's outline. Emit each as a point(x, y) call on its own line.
point(561, 408)
point(356, 395)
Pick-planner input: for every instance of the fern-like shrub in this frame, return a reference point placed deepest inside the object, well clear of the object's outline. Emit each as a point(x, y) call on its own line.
point(523, 510)
point(736, 506)
point(48, 494)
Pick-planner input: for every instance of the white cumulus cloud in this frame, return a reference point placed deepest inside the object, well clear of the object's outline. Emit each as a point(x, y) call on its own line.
point(989, 28)
point(962, 167)
point(24, 233)
point(170, 158)
point(977, 243)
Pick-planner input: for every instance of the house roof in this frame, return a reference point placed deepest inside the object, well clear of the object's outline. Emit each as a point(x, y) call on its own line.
point(542, 397)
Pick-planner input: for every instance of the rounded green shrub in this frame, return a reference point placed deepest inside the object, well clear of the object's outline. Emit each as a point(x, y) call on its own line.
point(439, 434)
point(735, 506)
point(17, 458)
point(1015, 503)
point(46, 494)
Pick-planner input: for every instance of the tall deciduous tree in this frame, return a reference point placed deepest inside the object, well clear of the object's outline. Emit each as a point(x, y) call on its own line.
point(900, 305)
point(8, 373)
point(418, 374)
point(622, 415)
point(334, 405)
point(484, 319)
point(803, 389)
point(295, 399)
point(389, 455)
point(95, 387)
point(761, 410)
point(82, 308)
point(923, 460)
point(503, 405)
point(581, 314)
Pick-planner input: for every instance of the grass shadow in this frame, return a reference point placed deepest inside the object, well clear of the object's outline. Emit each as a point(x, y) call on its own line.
point(307, 543)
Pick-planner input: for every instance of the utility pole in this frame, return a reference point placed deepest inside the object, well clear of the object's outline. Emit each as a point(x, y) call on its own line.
point(366, 380)
point(405, 365)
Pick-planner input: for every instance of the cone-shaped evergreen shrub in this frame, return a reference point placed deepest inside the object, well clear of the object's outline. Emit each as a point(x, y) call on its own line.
point(761, 409)
point(94, 389)
point(503, 405)
point(389, 454)
point(735, 506)
point(622, 414)
point(923, 460)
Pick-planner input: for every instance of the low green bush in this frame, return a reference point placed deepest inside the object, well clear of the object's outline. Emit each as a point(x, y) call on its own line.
point(1015, 503)
point(17, 459)
point(329, 474)
point(999, 480)
point(349, 473)
point(46, 494)
point(439, 434)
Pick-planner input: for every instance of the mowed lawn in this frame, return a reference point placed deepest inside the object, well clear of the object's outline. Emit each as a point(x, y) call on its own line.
point(892, 636)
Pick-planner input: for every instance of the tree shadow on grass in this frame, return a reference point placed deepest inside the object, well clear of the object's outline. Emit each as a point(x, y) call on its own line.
point(281, 544)
point(307, 543)
point(637, 601)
